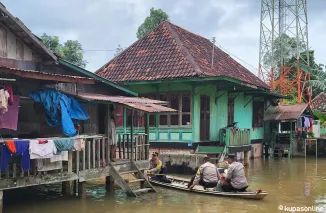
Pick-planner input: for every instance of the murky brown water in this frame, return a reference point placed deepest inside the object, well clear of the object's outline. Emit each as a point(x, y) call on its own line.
point(289, 183)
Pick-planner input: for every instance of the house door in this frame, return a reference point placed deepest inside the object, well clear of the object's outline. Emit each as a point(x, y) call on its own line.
point(204, 117)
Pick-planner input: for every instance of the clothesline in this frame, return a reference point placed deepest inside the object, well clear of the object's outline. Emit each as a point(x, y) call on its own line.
point(2, 140)
point(48, 153)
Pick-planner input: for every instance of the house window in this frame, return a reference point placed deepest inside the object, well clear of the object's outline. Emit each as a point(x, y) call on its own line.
point(230, 111)
point(180, 102)
point(258, 114)
point(138, 118)
point(119, 116)
point(186, 109)
point(152, 117)
point(163, 121)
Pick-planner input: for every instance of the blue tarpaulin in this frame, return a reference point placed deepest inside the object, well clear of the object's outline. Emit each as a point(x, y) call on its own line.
point(60, 108)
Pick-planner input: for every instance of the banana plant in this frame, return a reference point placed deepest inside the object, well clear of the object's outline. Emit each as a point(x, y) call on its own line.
point(318, 75)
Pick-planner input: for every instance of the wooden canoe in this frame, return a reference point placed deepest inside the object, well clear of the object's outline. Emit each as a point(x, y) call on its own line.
point(182, 184)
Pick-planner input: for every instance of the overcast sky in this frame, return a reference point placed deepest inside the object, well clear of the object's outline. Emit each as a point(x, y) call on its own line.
point(103, 24)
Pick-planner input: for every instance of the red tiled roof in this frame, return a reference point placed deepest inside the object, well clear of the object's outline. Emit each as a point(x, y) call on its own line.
point(319, 102)
point(170, 52)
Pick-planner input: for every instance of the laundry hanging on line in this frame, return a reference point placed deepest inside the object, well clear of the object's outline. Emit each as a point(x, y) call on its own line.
point(22, 149)
point(60, 108)
point(40, 150)
point(9, 119)
point(64, 144)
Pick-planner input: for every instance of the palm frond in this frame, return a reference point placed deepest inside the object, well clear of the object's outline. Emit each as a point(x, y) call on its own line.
point(317, 84)
point(317, 71)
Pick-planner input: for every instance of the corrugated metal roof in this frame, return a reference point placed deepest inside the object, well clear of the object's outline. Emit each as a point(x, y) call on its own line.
point(46, 76)
point(142, 104)
point(284, 112)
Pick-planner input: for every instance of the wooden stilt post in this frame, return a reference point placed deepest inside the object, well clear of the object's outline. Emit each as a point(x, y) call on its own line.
point(132, 135)
point(82, 189)
point(146, 136)
point(66, 186)
point(291, 141)
point(109, 183)
point(75, 187)
point(1, 201)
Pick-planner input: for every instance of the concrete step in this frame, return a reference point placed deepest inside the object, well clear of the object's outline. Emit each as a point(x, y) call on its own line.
point(144, 190)
point(137, 180)
point(128, 172)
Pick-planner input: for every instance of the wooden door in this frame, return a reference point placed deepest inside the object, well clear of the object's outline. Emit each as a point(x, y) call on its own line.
point(204, 117)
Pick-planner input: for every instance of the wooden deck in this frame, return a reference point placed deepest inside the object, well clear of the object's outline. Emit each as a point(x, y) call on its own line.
point(90, 163)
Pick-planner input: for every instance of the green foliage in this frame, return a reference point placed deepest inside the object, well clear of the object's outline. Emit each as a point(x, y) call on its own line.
point(155, 18)
point(311, 134)
point(285, 47)
point(321, 116)
point(52, 42)
point(318, 76)
point(71, 50)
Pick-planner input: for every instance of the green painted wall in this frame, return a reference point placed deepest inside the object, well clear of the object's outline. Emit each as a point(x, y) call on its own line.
point(163, 87)
point(218, 113)
point(222, 110)
point(243, 112)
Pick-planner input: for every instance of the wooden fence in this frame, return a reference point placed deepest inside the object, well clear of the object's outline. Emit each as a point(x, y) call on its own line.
point(136, 148)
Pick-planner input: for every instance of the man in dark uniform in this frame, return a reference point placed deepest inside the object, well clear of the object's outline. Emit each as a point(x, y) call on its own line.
point(235, 176)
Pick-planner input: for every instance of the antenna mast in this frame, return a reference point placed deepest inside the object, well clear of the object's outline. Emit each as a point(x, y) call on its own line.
point(284, 40)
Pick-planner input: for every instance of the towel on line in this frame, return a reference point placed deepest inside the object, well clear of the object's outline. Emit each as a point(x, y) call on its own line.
point(42, 150)
point(64, 144)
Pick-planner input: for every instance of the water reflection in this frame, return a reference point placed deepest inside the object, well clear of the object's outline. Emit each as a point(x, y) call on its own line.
point(291, 183)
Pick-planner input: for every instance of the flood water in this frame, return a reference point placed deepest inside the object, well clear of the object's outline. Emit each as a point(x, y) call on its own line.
point(289, 183)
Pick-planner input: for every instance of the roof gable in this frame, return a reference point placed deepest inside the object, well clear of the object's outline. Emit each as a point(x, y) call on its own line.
point(170, 52)
point(24, 34)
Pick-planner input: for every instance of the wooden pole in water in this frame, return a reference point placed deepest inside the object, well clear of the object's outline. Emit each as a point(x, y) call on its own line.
point(132, 135)
point(146, 136)
point(291, 141)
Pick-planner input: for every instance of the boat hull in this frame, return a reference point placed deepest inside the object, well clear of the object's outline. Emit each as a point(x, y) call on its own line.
point(181, 184)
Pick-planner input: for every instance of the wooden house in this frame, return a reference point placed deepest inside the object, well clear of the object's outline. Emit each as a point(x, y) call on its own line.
point(209, 89)
point(27, 66)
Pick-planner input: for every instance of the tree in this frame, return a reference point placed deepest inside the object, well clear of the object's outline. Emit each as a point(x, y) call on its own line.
point(318, 76)
point(155, 18)
point(285, 47)
point(71, 50)
point(119, 50)
point(52, 42)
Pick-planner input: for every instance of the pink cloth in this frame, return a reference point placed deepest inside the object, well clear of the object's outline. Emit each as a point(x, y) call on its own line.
point(11, 94)
point(9, 119)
